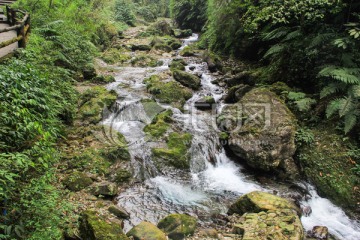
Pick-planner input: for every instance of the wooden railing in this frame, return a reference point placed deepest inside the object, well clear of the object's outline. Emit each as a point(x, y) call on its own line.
point(20, 25)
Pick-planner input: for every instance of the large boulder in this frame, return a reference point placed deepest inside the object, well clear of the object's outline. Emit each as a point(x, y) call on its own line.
point(187, 79)
point(178, 33)
point(93, 227)
point(178, 226)
point(178, 64)
point(106, 189)
point(260, 201)
point(235, 93)
point(262, 132)
point(146, 230)
point(265, 216)
point(77, 181)
point(119, 212)
point(205, 103)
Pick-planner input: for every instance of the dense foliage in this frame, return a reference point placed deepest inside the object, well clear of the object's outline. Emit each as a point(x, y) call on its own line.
point(309, 45)
point(37, 100)
point(189, 14)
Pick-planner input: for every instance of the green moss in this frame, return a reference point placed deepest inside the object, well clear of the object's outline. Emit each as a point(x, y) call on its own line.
point(114, 55)
point(122, 176)
point(187, 79)
point(115, 153)
point(146, 230)
point(90, 160)
point(93, 102)
point(77, 181)
point(224, 136)
point(177, 64)
point(93, 227)
point(327, 164)
point(169, 92)
point(143, 60)
point(187, 52)
point(103, 79)
point(160, 124)
point(178, 226)
point(176, 154)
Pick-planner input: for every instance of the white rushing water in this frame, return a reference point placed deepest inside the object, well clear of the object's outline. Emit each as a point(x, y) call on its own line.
point(214, 181)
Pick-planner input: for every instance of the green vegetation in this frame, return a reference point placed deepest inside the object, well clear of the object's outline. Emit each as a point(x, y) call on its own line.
point(189, 14)
point(160, 124)
point(37, 102)
point(177, 152)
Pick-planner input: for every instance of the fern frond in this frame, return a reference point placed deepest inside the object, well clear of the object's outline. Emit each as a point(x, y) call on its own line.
point(333, 107)
point(305, 104)
point(350, 121)
point(276, 34)
point(293, 35)
point(346, 75)
point(320, 39)
point(345, 106)
point(274, 50)
point(331, 89)
point(355, 91)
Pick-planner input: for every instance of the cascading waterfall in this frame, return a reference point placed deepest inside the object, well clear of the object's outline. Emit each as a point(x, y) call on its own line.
point(214, 180)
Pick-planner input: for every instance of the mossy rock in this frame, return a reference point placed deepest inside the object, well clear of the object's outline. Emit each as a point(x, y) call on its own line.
point(163, 47)
point(325, 162)
point(178, 33)
point(77, 181)
point(103, 79)
point(178, 226)
point(280, 224)
point(119, 212)
point(205, 103)
point(177, 64)
point(122, 176)
point(176, 154)
point(93, 227)
point(187, 52)
point(187, 79)
point(106, 189)
point(89, 71)
point(145, 61)
point(152, 108)
point(93, 102)
point(160, 124)
point(213, 61)
point(146, 230)
point(140, 47)
point(114, 55)
point(257, 201)
point(170, 92)
point(116, 153)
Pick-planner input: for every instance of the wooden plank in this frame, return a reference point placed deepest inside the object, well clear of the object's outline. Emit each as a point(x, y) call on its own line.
point(11, 41)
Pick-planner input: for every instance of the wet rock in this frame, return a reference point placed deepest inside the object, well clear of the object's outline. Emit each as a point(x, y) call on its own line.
point(178, 33)
point(236, 93)
point(320, 232)
point(178, 226)
point(187, 79)
point(260, 201)
point(120, 212)
point(177, 64)
point(205, 103)
point(240, 78)
point(213, 62)
point(208, 233)
point(89, 72)
point(163, 47)
point(140, 47)
point(93, 227)
point(262, 132)
point(306, 211)
point(146, 230)
point(281, 224)
point(77, 181)
point(187, 52)
point(106, 189)
point(192, 68)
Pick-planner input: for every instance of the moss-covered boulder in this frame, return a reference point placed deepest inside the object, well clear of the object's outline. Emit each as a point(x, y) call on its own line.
point(160, 124)
point(255, 202)
point(187, 52)
point(92, 103)
point(328, 162)
point(116, 56)
point(205, 103)
point(235, 93)
point(176, 154)
point(146, 230)
point(140, 47)
point(179, 33)
point(178, 64)
point(187, 79)
point(89, 71)
point(77, 181)
point(178, 226)
point(142, 60)
point(118, 211)
point(122, 176)
point(166, 91)
point(281, 224)
point(106, 189)
point(266, 216)
point(213, 61)
point(93, 227)
point(262, 132)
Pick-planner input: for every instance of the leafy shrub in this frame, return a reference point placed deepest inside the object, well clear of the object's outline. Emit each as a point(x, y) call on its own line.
point(124, 12)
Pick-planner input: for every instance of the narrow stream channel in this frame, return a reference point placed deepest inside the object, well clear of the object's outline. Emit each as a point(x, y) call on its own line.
point(215, 181)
